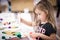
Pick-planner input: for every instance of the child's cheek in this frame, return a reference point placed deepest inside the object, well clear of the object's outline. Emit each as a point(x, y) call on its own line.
point(39, 18)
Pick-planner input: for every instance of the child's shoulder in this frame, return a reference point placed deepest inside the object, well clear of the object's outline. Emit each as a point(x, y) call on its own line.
point(48, 25)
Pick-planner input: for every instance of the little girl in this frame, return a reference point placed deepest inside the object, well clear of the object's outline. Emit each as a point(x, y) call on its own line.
point(44, 19)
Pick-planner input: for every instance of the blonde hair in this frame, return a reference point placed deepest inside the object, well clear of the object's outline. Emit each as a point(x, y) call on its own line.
point(45, 5)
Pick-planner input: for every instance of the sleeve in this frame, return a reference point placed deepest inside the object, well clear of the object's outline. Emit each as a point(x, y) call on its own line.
point(49, 29)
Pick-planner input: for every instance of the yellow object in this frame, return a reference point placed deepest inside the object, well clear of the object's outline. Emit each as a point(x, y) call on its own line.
point(9, 33)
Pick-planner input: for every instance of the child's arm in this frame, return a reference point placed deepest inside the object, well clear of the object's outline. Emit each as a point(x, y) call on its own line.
point(51, 37)
point(28, 22)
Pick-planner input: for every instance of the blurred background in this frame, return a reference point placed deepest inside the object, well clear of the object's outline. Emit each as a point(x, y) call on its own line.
point(19, 6)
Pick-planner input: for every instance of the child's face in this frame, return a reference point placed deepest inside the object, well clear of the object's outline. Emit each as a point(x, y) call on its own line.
point(41, 15)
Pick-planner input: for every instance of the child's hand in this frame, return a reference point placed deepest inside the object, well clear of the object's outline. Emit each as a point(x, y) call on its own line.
point(21, 19)
point(34, 35)
point(33, 24)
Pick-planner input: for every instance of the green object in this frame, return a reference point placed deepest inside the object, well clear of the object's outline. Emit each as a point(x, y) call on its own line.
point(18, 34)
point(13, 33)
point(3, 37)
point(4, 32)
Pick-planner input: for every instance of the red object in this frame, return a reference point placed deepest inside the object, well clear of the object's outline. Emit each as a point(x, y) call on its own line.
point(30, 32)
